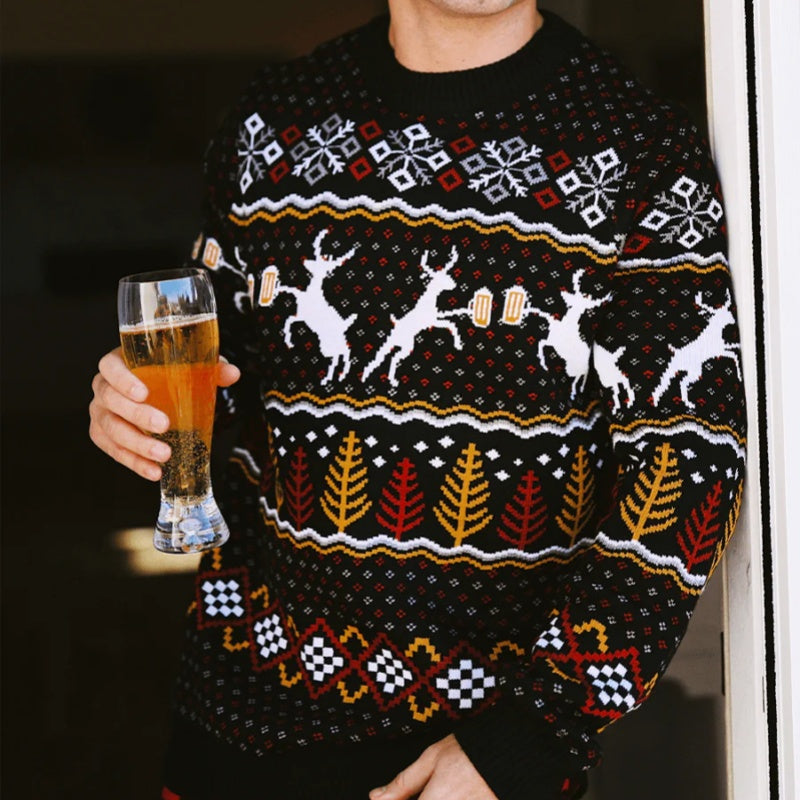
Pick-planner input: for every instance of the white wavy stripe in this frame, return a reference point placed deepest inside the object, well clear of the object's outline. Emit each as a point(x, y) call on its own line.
point(654, 559)
point(245, 455)
point(421, 415)
point(677, 428)
point(683, 258)
point(445, 214)
point(421, 543)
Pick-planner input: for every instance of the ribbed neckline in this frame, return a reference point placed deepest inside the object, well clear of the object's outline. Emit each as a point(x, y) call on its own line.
point(480, 88)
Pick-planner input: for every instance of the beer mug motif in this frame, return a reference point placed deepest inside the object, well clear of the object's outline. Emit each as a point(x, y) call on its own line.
point(269, 283)
point(481, 307)
point(514, 305)
point(211, 253)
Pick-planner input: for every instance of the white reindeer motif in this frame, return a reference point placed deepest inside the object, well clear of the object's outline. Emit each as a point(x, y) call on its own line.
point(610, 375)
point(564, 334)
point(314, 311)
point(422, 317)
point(709, 344)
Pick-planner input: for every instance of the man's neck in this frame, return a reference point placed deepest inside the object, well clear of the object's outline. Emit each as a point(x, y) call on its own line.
point(428, 38)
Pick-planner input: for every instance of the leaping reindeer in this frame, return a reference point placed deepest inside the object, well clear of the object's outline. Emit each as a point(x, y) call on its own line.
point(424, 315)
point(313, 309)
point(564, 334)
point(606, 365)
point(709, 344)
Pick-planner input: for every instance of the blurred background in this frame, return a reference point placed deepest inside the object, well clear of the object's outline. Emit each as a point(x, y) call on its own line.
point(106, 111)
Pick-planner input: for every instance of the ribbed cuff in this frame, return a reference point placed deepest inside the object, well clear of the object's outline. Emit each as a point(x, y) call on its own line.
point(517, 754)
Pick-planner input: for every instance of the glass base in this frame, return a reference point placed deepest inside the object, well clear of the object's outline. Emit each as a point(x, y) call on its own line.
point(189, 525)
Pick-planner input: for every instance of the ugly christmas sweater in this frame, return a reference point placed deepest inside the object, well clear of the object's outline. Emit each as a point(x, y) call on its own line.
point(492, 417)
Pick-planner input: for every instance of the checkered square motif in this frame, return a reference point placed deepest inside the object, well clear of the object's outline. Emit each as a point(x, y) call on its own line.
point(466, 683)
point(320, 659)
point(551, 638)
point(270, 636)
point(614, 687)
point(222, 598)
point(390, 673)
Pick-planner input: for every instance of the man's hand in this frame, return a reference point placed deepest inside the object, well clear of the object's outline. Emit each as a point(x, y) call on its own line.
point(121, 421)
point(442, 772)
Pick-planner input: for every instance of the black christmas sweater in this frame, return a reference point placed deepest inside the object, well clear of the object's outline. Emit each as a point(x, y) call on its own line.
point(492, 415)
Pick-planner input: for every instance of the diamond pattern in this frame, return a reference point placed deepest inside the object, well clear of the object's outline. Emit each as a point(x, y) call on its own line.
point(222, 598)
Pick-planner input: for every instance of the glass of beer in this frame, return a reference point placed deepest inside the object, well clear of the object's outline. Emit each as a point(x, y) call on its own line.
point(168, 331)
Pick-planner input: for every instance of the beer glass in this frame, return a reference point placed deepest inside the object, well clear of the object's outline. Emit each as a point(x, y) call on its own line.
point(168, 331)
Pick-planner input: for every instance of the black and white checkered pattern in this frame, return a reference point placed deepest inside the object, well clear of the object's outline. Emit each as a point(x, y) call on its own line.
point(466, 683)
point(270, 636)
point(390, 672)
point(222, 598)
point(614, 688)
point(320, 659)
point(551, 637)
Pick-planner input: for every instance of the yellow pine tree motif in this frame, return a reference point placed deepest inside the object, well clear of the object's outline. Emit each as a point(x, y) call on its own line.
point(578, 502)
point(274, 458)
point(730, 525)
point(463, 510)
point(647, 509)
point(344, 500)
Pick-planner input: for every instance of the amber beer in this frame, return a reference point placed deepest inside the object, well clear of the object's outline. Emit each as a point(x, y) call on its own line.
point(177, 361)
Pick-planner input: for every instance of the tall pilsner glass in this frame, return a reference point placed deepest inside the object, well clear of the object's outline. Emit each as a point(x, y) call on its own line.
point(168, 330)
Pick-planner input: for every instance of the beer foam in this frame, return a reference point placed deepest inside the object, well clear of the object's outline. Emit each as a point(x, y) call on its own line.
point(170, 321)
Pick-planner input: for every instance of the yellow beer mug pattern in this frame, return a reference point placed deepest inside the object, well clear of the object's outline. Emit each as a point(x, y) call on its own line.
point(514, 305)
point(481, 307)
point(269, 280)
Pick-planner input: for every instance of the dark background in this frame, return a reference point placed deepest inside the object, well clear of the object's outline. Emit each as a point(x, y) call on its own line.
point(106, 111)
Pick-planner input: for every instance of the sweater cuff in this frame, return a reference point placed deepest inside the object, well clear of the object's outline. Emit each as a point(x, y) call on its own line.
point(517, 754)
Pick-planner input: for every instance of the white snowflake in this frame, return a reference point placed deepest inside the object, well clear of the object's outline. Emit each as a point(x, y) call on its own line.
point(593, 186)
point(505, 167)
point(255, 144)
point(686, 214)
point(409, 157)
point(324, 149)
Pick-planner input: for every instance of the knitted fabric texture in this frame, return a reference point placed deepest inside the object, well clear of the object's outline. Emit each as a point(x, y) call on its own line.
point(493, 421)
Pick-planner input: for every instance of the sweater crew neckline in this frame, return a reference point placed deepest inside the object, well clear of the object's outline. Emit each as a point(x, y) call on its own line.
point(474, 89)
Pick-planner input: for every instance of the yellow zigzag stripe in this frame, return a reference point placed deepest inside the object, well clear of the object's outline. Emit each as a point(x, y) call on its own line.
point(321, 402)
point(508, 562)
point(671, 421)
point(290, 211)
point(599, 629)
point(674, 268)
point(229, 644)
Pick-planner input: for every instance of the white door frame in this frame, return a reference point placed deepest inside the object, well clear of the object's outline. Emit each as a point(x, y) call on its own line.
point(753, 72)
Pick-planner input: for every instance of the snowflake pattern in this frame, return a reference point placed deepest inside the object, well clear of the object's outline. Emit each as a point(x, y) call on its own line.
point(593, 186)
point(505, 167)
point(409, 157)
point(324, 149)
point(255, 143)
point(686, 214)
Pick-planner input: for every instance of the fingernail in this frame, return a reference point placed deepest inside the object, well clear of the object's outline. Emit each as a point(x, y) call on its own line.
point(159, 422)
point(377, 792)
point(154, 473)
point(160, 452)
point(138, 392)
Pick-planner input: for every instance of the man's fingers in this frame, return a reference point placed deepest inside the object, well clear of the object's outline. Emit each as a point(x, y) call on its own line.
point(114, 371)
point(409, 782)
point(228, 373)
point(143, 416)
point(141, 466)
point(114, 431)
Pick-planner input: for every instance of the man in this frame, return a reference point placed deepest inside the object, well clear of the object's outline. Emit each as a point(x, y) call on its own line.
point(491, 407)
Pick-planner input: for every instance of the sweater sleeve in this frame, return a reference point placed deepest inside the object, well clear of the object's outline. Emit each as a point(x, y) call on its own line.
point(225, 255)
point(667, 369)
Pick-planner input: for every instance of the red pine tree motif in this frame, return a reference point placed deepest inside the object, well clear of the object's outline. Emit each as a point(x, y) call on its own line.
point(401, 503)
point(701, 530)
point(525, 516)
point(299, 492)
